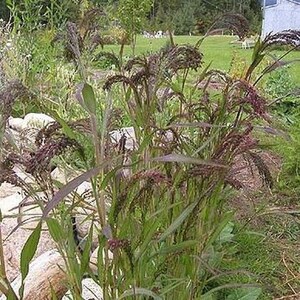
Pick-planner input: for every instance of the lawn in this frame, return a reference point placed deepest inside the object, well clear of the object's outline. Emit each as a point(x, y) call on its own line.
point(217, 50)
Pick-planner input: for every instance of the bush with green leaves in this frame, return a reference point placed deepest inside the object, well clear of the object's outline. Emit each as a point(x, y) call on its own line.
point(132, 16)
point(281, 86)
point(33, 14)
point(289, 177)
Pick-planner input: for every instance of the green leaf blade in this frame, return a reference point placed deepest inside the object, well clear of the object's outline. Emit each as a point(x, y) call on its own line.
point(89, 98)
point(28, 252)
point(180, 158)
point(182, 217)
point(139, 291)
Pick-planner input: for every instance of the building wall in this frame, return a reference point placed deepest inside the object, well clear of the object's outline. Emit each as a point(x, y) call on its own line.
point(284, 15)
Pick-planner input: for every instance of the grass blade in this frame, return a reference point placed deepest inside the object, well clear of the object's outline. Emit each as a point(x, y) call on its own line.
point(177, 247)
point(86, 251)
point(70, 187)
point(55, 230)
point(27, 254)
point(139, 291)
point(245, 294)
point(148, 238)
point(229, 286)
point(178, 221)
point(179, 158)
point(216, 234)
point(89, 98)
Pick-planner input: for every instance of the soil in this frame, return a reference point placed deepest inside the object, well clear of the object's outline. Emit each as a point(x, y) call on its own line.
point(263, 210)
point(248, 199)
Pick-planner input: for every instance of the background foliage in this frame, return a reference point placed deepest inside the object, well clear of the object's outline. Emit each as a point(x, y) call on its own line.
point(184, 16)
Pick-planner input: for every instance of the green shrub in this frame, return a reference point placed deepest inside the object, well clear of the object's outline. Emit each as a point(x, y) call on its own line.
point(280, 85)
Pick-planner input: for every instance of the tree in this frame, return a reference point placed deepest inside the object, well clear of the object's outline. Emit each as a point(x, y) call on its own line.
point(132, 16)
point(33, 13)
point(183, 13)
point(184, 20)
point(4, 11)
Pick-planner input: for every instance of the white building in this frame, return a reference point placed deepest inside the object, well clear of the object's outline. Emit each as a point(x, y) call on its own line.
point(280, 15)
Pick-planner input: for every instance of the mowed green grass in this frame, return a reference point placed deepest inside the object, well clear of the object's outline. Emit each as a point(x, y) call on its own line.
point(217, 50)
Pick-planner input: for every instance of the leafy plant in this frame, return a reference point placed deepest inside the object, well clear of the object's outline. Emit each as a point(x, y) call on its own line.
point(288, 178)
point(33, 14)
point(280, 86)
point(132, 15)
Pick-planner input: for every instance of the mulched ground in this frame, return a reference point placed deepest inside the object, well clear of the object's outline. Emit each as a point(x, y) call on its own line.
point(263, 209)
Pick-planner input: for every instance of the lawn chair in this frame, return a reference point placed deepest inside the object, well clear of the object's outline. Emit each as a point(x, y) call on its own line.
point(248, 43)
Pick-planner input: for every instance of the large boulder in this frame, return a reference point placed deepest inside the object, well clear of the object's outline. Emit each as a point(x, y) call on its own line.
point(90, 291)
point(21, 133)
point(46, 275)
point(19, 218)
point(36, 120)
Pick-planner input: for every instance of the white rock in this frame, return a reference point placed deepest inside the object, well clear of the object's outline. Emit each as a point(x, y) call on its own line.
point(63, 175)
point(83, 188)
point(66, 175)
point(8, 204)
point(131, 143)
point(15, 242)
point(90, 291)
point(17, 124)
point(13, 138)
point(7, 189)
point(37, 120)
point(11, 196)
point(130, 137)
point(22, 133)
point(23, 175)
point(46, 274)
point(23, 209)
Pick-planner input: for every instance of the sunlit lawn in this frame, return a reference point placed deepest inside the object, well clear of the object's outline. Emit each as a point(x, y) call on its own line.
point(217, 50)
